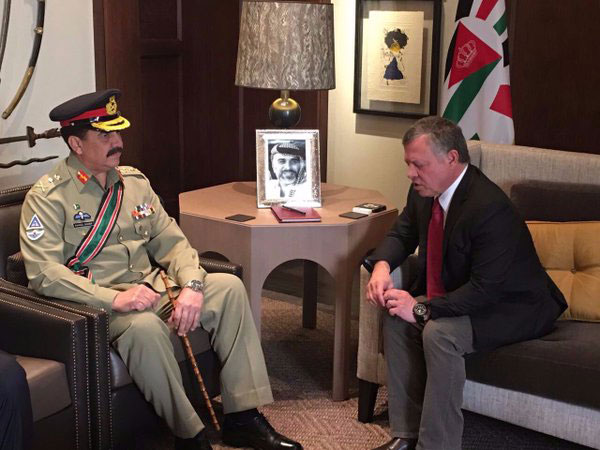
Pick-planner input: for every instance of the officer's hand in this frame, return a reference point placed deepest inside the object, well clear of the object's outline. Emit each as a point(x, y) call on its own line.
point(186, 315)
point(379, 283)
point(138, 298)
point(400, 303)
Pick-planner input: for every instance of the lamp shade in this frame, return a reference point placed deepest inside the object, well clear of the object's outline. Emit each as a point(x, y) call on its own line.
point(286, 46)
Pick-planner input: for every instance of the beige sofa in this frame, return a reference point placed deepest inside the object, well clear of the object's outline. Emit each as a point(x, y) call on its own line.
point(551, 385)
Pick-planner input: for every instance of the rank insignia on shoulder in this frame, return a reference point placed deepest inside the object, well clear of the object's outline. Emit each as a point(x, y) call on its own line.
point(141, 211)
point(35, 229)
point(82, 176)
point(128, 170)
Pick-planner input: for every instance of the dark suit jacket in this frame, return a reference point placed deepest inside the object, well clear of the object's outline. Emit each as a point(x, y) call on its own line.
point(491, 271)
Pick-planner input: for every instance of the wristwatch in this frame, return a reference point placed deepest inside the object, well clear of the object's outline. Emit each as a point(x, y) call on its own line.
point(195, 285)
point(421, 312)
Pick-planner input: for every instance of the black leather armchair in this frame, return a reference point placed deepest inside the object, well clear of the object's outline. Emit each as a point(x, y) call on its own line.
point(51, 345)
point(118, 410)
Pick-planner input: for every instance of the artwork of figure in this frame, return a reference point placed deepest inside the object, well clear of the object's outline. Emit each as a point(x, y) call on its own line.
point(393, 46)
point(395, 40)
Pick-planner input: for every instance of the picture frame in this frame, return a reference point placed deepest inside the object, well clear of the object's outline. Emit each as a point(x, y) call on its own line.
point(288, 168)
point(397, 57)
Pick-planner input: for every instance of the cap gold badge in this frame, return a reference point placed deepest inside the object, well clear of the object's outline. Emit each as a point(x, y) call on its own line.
point(111, 106)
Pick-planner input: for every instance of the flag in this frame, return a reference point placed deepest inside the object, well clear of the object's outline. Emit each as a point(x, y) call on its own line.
point(476, 90)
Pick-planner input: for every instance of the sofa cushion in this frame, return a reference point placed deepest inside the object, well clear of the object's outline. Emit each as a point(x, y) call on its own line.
point(563, 365)
point(48, 386)
point(558, 202)
point(570, 253)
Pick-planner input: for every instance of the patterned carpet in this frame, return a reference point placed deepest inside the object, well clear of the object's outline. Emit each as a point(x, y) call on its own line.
point(300, 367)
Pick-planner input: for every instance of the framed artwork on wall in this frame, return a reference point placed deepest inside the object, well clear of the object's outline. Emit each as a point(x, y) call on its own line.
point(397, 53)
point(287, 168)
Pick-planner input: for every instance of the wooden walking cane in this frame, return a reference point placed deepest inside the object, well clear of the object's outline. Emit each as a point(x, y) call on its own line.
point(192, 359)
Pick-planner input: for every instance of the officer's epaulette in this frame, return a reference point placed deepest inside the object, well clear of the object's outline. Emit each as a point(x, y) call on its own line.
point(128, 170)
point(48, 182)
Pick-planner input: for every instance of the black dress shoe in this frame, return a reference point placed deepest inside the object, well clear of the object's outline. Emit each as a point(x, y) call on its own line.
point(399, 444)
point(198, 442)
point(256, 433)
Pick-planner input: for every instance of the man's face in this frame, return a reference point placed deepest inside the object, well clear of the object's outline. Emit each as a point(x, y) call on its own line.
point(287, 167)
point(430, 173)
point(100, 151)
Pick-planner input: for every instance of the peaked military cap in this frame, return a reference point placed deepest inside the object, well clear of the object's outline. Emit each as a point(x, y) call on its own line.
point(97, 110)
point(287, 148)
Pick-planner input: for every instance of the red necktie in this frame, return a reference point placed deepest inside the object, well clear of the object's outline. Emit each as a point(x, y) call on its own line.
point(435, 237)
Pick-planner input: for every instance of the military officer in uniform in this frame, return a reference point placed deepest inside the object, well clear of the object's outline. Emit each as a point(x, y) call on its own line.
point(92, 232)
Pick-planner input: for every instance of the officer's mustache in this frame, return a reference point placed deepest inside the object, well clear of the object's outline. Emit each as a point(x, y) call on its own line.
point(114, 150)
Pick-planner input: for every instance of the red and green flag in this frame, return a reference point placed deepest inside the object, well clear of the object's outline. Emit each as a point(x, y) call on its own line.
point(476, 90)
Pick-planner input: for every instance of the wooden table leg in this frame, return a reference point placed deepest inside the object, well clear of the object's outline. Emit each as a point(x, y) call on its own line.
point(309, 304)
point(341, 343)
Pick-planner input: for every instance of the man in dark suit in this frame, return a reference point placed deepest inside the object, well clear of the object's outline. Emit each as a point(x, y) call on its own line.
point(16, 417)
point(479, 285)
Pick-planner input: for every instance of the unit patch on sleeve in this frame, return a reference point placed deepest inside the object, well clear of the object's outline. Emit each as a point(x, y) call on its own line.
point(35, 229)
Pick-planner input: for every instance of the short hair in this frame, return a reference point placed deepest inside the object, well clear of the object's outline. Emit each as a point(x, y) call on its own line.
point(444, 135)
point(79, 131)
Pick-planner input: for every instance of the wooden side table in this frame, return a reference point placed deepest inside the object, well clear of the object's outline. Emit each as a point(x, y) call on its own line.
point(260, 245)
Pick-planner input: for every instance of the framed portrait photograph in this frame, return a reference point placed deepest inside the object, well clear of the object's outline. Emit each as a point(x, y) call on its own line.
point(396, 67)
point(287, 168)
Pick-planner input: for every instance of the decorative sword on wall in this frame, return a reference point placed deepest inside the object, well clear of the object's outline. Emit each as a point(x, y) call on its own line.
point(4, 29)
point(35, 51)
point(30, 136)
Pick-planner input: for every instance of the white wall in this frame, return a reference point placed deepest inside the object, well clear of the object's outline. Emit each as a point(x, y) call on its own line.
point(363, 150)
point(65, 68)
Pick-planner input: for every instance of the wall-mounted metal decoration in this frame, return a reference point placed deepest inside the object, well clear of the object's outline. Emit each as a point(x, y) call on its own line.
point(30, 136)
point(24, 162)
point(4, 29)
point(35, 51)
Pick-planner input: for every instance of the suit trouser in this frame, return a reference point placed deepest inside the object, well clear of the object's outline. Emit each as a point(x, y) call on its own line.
point(142, 340)
point(426, 376)
point(16, 417)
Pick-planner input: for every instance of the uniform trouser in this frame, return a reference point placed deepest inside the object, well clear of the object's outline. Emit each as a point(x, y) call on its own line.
point(426, 376)
point(142, 340)
point(16, 418)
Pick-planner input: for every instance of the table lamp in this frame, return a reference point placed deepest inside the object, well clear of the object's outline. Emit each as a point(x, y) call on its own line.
point(286, 46)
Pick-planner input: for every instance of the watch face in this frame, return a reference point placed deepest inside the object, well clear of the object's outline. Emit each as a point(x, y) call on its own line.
point(420, 309)
point(195, 285)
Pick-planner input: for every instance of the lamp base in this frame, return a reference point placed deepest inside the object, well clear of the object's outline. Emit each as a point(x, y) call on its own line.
point(285, 112)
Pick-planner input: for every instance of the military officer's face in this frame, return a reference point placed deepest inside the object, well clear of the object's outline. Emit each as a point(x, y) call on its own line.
point(99, 151)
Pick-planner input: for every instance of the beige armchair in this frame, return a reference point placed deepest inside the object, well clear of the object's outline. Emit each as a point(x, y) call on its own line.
point(512, 383)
